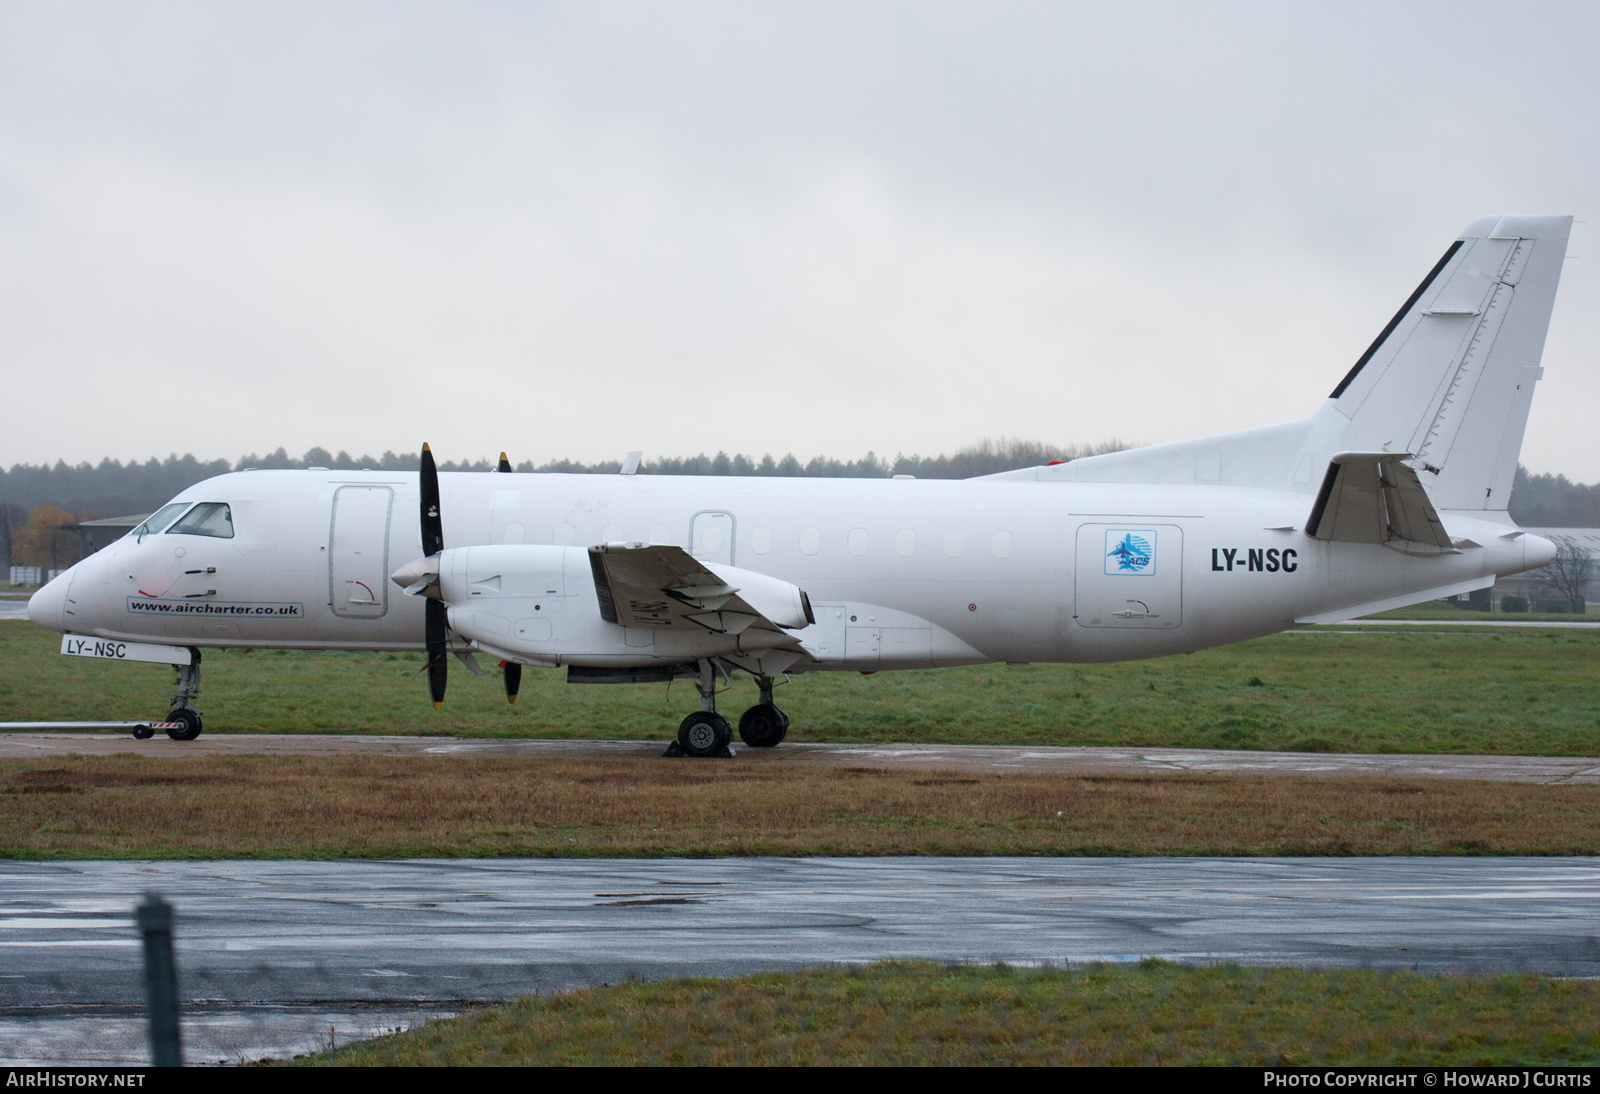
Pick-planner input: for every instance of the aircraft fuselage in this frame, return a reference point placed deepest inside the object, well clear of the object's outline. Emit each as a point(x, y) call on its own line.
point(901, 574)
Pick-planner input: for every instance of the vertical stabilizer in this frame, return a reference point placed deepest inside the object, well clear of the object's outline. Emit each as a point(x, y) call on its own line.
point(1450, 379)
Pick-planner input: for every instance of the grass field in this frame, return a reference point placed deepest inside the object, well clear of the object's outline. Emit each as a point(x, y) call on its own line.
point(905, 1013)
point(424, 806)
point(1526, 691)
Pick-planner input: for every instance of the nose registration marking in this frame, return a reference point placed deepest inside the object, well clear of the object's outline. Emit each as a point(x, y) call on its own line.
point(73, 645)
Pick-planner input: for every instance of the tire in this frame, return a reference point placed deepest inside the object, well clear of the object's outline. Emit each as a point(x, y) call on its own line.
point(763, 726)
point(191, 724)
point(704, 733)
point(143, 733)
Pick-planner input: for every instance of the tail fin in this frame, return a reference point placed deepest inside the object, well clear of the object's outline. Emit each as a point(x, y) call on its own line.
point(1451, 377)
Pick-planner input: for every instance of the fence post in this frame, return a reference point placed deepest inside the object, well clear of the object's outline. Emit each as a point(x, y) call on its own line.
point(160, 980)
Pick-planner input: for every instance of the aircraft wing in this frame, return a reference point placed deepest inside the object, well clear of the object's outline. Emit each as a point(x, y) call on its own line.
point(660, 586)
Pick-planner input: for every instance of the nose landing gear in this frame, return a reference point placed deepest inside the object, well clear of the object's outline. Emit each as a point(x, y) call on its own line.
point(183, 721)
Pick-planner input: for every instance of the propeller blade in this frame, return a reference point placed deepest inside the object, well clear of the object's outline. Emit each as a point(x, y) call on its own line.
point(438, 668)
point(513, 679)
point(505, 464)
point(432, 524)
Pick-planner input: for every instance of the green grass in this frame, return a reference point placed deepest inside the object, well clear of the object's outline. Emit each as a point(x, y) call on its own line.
point(1518, 692)
point(918, 1013)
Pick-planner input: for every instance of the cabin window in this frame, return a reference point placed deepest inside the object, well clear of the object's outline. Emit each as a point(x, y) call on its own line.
point(1000, 543)
point(611, 533)
point(857, 541)
point(761, 540)
point(209, 518)
point(660, 535)
point(905, 542)
point(810, 541)
point(162, 517)
point(954, 544)
point(563, 535)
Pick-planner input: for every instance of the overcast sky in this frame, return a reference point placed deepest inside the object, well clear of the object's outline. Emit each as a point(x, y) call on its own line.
point(571, 230)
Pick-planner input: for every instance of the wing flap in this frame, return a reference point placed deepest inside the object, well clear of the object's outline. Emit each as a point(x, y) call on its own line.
point(660, 586)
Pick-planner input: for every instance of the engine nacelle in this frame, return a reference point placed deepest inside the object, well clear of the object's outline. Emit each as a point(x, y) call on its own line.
point(537, 604)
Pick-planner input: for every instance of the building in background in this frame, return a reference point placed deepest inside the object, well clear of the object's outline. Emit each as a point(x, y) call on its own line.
point(95, 534)
point(1574, 576)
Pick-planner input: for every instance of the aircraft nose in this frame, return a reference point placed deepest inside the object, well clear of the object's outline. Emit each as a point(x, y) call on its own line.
point(47, 607)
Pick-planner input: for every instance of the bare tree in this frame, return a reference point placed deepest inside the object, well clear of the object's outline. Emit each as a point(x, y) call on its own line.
point(1568, 574)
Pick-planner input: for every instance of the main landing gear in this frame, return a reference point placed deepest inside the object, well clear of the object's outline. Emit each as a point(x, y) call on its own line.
point(707, 733)
point(763, 725)
point(183, 721)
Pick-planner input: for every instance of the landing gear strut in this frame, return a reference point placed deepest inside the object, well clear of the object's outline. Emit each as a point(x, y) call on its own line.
point(763, 725)
point(187, 688)
point(705, 732)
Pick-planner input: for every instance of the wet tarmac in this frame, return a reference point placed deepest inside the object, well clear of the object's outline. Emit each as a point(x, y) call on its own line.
point(333, 938)
point(995, 758)
point(211, 1035)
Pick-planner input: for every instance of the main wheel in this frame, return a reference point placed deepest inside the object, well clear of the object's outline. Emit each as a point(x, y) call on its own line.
point(763, 726)
point(704, 733)
point(191, 724)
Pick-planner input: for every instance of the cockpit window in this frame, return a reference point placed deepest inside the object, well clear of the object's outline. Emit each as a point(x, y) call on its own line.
point(162, 517)
point(209, 518)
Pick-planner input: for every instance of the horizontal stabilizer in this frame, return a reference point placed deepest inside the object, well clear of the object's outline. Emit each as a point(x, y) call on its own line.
point(1373, 497)
point(1356, 611)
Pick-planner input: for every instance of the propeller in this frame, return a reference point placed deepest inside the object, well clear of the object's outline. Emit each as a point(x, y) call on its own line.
point(512, 670)
point(422, 576)
point(435, 626)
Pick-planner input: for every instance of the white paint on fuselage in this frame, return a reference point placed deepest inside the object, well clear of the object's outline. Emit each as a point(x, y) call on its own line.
point(991, 561)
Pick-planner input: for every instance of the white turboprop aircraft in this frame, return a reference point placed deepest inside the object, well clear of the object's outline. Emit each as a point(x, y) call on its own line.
point(1394, 491)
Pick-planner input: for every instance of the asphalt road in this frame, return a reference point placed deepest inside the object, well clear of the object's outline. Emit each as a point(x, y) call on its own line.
point(308, 945)
point(423, 930)
point(1065, 760)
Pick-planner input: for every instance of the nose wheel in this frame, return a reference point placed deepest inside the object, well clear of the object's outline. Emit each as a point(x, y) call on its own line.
point(187, 723)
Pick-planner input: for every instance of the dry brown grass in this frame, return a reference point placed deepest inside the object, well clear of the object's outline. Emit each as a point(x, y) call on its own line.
point(296, 806)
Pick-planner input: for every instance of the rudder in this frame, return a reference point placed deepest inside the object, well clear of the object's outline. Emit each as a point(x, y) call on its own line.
point(1451, 378)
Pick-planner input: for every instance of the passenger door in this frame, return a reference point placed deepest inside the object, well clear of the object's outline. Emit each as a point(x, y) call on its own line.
point(358, 552)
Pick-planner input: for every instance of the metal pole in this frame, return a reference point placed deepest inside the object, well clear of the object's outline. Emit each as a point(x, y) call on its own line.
point(160, 980)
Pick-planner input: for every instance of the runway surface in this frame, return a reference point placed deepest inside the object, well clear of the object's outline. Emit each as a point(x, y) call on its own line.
point(334, 935)
point(1553, 770)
